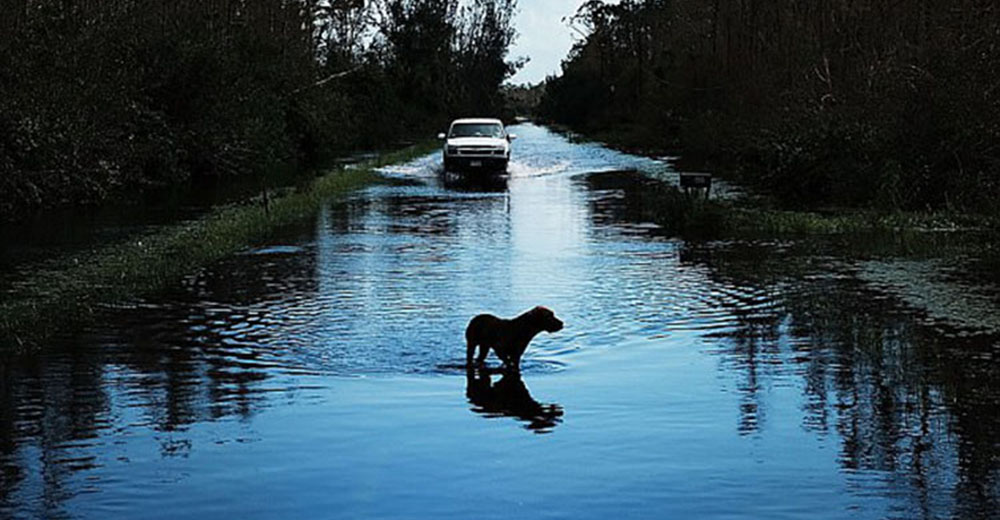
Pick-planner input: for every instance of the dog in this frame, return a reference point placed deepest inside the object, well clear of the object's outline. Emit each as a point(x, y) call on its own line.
point(508, 338)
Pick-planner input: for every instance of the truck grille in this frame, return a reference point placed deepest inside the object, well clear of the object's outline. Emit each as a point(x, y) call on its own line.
point(477, 150)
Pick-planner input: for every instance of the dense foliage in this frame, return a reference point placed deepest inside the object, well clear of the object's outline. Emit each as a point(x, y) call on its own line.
point(101, 98)
point(877, 103)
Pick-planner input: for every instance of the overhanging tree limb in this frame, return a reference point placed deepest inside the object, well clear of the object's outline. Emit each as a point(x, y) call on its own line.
point(328, 79)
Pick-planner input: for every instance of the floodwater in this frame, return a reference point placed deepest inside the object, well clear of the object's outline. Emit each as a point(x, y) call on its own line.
point(320, 376)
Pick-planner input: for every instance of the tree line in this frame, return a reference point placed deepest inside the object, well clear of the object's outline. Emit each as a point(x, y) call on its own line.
point(103, 98)
point(865, 103)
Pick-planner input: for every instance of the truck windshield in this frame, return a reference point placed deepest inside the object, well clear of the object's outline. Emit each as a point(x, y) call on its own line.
point(477, 130)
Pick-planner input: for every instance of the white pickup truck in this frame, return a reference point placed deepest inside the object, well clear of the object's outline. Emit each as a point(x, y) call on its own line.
point(476, 144)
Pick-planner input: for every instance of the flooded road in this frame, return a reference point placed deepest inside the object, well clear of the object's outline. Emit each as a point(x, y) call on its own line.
point(321, 376)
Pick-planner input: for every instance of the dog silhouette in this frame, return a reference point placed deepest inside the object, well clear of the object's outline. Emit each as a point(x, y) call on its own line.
point(508, 338)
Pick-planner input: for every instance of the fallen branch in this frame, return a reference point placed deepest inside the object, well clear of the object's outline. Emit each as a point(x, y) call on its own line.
point(327, 79)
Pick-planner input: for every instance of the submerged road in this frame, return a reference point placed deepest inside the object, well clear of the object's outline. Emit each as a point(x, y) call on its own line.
point(321, 376)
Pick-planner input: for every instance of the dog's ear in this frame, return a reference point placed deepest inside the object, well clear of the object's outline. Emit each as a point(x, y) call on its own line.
point(545, 311)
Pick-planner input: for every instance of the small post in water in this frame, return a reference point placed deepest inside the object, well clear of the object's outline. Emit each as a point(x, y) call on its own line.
point(696, 182)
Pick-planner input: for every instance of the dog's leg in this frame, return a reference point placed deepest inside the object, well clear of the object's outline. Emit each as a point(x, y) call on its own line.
point(508, 360)
point(484, 350)
point(470, 349)
point(512, 356)
point(515, 363)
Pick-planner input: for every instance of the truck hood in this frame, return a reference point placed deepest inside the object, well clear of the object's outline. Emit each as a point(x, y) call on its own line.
point(476, 141)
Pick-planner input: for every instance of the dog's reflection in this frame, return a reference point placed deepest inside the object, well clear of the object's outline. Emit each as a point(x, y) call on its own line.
point(508, 397)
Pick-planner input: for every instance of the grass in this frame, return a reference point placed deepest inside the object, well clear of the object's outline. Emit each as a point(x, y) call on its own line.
point(66, 292)
point(850, 221)
point(694, 217)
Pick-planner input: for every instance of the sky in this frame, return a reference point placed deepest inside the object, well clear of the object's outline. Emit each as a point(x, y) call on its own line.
point(543, 37)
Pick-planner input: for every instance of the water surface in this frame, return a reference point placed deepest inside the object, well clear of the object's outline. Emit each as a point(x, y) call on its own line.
point(320, 375)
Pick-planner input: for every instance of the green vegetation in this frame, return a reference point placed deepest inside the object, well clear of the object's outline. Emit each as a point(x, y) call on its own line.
point(772, 221)
point(68, 290)
point(104, 99)
point(691, 215)
point(889, 106)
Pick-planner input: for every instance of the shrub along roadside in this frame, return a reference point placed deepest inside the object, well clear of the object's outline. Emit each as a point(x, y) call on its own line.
point(693, 217)
point(69, 291)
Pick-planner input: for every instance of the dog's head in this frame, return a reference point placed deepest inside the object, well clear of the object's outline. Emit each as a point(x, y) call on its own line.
point(546, 319)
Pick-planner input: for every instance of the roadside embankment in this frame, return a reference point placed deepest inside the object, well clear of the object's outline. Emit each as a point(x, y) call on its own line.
point(66, 291)
point(692, 216)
